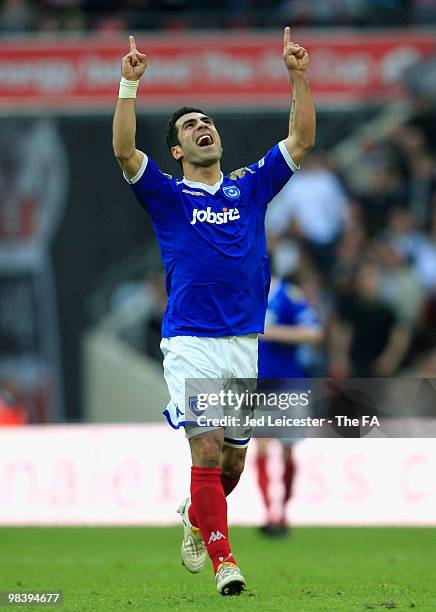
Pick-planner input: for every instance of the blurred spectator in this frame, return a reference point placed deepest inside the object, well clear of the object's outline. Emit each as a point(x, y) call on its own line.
point(152, 331)
point(425, 262)
point(367, 339)
point(419, 168)
point(386, 310)
point(401, 232)
point(290, 264)
point(399, 285)
point(350, 248)
point(314, 206)
point(137, 311)
point(384, 187)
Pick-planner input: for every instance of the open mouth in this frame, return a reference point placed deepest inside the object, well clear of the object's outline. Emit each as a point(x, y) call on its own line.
point(205, 140)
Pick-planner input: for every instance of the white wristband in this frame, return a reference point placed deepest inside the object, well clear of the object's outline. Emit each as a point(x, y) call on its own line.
point(128, 88)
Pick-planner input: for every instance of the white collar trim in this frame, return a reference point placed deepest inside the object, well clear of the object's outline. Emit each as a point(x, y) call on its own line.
point(212, 189)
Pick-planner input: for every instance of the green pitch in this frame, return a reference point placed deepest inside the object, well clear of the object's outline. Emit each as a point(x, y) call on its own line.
point(109, 569)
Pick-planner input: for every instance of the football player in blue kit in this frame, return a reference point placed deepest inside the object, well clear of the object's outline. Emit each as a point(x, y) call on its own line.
point(291, 325)
point(210, 229)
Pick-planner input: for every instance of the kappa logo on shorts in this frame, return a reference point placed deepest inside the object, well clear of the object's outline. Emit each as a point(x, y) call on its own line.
point(215, 536)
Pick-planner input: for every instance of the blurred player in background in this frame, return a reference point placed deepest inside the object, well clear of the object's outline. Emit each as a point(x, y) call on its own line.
point(291, 325)
point(211, 233)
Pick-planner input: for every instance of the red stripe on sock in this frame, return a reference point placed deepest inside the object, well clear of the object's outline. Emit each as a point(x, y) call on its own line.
point(209, 513)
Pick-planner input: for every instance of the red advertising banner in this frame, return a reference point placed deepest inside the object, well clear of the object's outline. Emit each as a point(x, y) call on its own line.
point(61, 74)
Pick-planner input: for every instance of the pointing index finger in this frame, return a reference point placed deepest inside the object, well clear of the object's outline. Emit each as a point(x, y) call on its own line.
point(287, 37)
point(132, 43)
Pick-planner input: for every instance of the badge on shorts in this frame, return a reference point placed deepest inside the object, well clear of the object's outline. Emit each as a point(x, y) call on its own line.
point(231, 192)
point(193, 406)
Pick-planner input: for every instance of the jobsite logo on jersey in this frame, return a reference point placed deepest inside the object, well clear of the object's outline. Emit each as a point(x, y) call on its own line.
point(227, 214)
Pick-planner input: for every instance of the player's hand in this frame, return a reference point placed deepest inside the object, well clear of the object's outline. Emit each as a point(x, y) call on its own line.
point(294, 56)
point(133, 64)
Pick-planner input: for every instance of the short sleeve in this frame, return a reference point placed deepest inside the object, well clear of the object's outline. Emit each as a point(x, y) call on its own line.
point(151, 187)
point(272, 172)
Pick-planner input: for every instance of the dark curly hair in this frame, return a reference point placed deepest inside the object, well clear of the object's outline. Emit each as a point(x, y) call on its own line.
point(172, 135)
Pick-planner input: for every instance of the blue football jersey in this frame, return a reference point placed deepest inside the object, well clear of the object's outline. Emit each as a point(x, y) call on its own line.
point(286, 306)
point(213, 245)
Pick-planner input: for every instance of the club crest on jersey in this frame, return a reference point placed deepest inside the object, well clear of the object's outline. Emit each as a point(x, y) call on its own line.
point(217, 218)
point(231, 192)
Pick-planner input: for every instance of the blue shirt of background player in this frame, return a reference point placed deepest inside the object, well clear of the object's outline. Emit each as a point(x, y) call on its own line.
point(286, 306)
point(213, 245)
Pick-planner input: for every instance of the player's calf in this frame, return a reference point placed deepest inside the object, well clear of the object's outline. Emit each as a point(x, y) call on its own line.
point(233, 463)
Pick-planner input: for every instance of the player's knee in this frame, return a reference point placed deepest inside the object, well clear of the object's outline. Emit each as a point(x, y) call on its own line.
point(209, 455)
point(206, 451)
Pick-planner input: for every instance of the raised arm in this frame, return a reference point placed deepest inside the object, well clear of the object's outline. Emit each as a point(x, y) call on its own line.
point(302, 120)
point(124, 126)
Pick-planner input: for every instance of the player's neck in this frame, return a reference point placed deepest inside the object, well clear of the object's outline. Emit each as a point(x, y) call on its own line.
point(209, 176)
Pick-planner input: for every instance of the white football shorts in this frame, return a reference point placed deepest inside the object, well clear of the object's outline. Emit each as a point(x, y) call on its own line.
point(217, 359)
